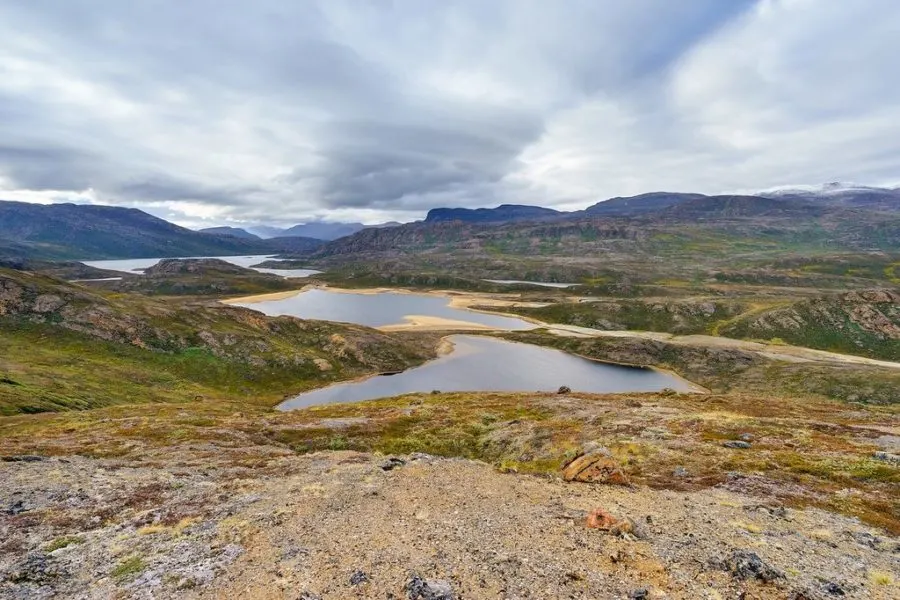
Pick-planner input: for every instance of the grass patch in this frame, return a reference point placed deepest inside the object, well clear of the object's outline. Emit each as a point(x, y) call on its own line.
point(880, 578)
point(63, 542)
point(129, 568)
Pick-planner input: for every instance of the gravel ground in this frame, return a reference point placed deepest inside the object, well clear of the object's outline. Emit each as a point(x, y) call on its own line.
point(212, 522)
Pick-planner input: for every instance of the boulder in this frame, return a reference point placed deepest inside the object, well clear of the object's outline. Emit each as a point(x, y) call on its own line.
point(358, 577)
point(887, 457)
point(748, 565)
point(392, 463)
point(737, 444)
point(596, 467)
point(602, 520)
point(428, 589)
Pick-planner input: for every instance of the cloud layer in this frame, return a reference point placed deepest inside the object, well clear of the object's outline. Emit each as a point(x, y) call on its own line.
point(209, 112)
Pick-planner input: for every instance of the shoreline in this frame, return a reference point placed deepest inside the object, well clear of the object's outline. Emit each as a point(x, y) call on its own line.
point(458, 300)
point(467, 300)
point(446, 347)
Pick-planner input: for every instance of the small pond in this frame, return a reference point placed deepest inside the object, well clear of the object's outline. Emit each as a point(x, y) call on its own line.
point(479, 363)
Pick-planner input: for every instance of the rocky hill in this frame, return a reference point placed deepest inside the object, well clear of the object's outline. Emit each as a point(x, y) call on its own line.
point(200, 277)
point(864, 322)
point(128, 348)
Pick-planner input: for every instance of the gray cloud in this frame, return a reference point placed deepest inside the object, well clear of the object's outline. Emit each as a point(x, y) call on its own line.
point(48, 167)
point(211, 111)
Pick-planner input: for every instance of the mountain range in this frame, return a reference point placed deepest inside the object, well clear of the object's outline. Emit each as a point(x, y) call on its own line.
point(834, 195)
point(319, 230)
point(69, 231)
point(849, 218)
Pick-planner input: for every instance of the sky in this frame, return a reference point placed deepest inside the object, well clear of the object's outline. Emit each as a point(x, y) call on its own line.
point(226, 112)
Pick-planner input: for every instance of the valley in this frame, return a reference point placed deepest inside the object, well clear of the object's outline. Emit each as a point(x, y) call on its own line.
point(719, 377)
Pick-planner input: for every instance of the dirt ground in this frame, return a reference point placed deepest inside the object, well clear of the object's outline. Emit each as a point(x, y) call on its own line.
point(225, 521)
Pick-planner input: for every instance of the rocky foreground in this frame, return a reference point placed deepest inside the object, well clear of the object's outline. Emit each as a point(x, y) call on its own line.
point(208, 520)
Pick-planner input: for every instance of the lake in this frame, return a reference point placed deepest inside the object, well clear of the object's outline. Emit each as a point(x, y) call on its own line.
point(482, 364)
point(378, 310)
point(135, 266)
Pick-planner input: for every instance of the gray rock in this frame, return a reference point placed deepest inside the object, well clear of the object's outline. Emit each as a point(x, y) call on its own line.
point(392, 463)
point(564, 389)
point(37, 568)
point(309, 596)
point(358, 577)
point(17, 508)
point(746, 437)
point(680, 472)
point(737, 444)
point(834, 589)
point(866, 539)
point(428, 589)
point(639, 594)
point(887, 457)
point(748, 565)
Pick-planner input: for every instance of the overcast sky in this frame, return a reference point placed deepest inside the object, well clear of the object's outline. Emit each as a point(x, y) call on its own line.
point(280, 111)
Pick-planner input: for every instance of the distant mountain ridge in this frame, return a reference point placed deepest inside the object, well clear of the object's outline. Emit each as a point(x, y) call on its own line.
point(77, 231)
point(505, 213)
point(232, 231)
point(322, 231)
point(655, 203)
point(319, 230)
point(635, 205)
point(69, 231)
point(846, 219)
point(842, 194)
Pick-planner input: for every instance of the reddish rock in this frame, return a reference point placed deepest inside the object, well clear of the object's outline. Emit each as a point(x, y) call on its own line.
point(596, 467)
point(602, 520)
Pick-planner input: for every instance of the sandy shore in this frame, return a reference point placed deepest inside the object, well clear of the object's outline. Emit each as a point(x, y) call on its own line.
point(782, 352)
point(458, 300)
point(426, 323)
point(263, 297)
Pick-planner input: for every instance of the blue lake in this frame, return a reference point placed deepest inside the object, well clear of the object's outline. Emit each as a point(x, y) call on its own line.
point(479, 363)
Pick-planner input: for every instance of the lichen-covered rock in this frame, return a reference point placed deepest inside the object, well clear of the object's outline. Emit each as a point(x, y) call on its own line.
point(596, 467)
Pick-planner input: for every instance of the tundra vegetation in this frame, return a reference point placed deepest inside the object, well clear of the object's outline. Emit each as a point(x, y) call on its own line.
point(163, 398)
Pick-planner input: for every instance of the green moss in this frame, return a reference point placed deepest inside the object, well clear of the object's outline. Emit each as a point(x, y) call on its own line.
point(63, 542)
point(128, 568)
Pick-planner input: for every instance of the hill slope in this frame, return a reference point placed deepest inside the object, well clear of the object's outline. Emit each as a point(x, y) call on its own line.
point(127, 348)
point(67, 231)
point(864, 322)
point(79, 231)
